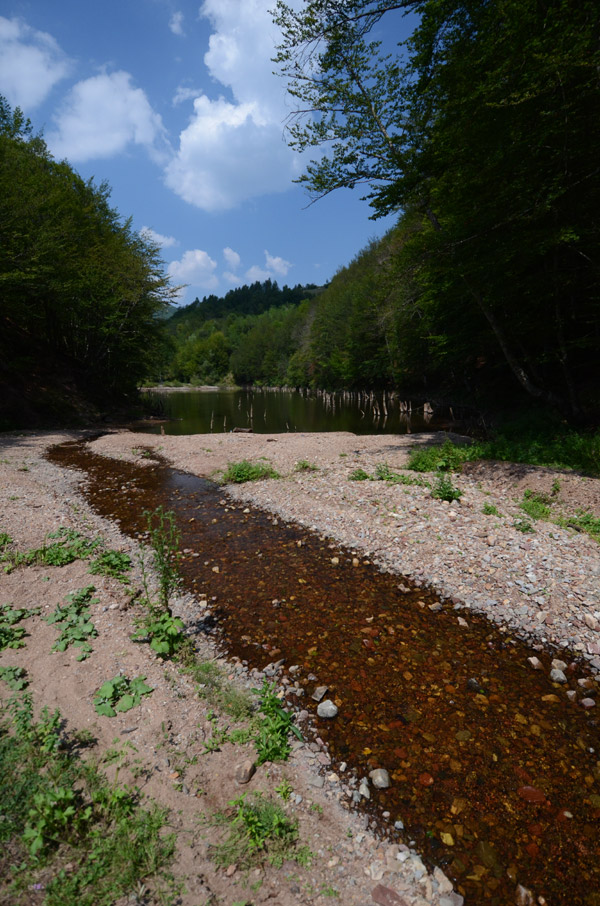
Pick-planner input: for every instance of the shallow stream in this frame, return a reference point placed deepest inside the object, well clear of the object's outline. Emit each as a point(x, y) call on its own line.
point(495, 773)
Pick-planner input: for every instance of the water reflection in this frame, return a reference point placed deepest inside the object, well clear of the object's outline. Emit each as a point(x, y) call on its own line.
point(275, 411)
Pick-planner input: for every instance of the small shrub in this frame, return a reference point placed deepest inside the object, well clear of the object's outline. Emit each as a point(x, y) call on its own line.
point(447, 458)
point(359, 475)
point(445, 490)
point(490, 510)
point(259, 830)
point(303, 465)
point(120, 694)
point(240, 472)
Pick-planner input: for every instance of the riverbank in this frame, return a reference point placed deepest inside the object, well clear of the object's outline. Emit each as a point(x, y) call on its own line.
point(543, 585)
point(166, 746)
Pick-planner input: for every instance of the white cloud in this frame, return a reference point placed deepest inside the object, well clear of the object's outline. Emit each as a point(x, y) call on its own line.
point(185, 93)
point(277, 265)
point(232, 279)
point(257, 274)
point(274, 267)
point(233, 148)
point(101, 116)
point(176, 24)
point(164, 241)
point(31, 63)
point(232, 258)
point(196, 268)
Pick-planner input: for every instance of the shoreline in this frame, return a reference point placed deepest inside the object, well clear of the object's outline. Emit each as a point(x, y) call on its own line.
point(544, 585)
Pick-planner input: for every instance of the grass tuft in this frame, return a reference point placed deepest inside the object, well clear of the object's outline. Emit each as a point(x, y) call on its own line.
point(240, 472)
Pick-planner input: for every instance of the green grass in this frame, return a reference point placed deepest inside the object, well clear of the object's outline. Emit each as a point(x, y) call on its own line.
point(272, 738)
point(240, 472)
point(214, 686)
point(303, 465)
point(489, 509)
point(583, 522)
point(556, 447)
point(359, 475)
point(258, 831)
point(67, 831)
point(536, 506)
point(66, 546)
point(115, 564)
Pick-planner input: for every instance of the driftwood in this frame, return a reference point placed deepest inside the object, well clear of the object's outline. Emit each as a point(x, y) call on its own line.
point(242, 431)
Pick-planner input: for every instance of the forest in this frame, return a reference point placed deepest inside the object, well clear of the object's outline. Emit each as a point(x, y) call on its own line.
point(480, 134)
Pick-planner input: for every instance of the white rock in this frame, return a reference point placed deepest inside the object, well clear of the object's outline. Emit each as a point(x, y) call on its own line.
point(327, 709)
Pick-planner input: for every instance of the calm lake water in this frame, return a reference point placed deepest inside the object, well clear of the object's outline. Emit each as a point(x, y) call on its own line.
point(275, 411)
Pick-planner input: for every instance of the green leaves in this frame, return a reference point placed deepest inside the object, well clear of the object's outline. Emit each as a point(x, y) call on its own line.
point(272, 737)
point(75, 623)
point(119, 695)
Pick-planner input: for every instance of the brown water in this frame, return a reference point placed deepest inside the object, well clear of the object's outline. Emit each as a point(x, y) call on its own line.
point(495, 774)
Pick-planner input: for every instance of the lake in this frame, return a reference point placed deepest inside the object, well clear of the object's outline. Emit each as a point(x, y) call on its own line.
point(277, 410)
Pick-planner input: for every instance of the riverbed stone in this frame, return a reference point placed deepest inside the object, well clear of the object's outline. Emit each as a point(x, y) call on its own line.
point(557, 676)
point(319, 693)
point(244, 771)
point(380, 778)
point(327, 709)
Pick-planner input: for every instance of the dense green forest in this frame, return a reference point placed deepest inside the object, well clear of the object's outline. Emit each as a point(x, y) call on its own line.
point(483, 135)
point(80, 290)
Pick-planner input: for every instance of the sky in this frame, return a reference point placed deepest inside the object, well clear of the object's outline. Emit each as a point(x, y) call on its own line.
point(176, 106)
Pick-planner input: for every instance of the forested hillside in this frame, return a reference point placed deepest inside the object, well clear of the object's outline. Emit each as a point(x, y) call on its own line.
point(485, 138)
point(483, 135)
point(80, 290)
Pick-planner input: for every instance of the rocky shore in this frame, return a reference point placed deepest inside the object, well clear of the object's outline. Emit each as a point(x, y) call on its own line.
point(542, 585)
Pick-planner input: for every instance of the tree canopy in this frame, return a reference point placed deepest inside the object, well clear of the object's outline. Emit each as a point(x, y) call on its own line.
point(485, 128)
point(76, 281)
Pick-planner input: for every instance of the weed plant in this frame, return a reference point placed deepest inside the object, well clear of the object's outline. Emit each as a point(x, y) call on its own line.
point(303, 465)
point(537, 506)
point(443, 489)
point(272, 739)
point(259, 831)
point(384, 473)
point(584, 521)
point(115, 564)
point(11, 635)
point(120, 694)
point(73, 619)
point(489, 509)
point(14, 677)
point(164, 541)
point(66, 547)
point(240, 472)
point(359, 475)
point(60, 811)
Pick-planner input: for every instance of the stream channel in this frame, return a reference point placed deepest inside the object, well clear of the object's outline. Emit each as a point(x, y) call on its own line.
point(495, 774)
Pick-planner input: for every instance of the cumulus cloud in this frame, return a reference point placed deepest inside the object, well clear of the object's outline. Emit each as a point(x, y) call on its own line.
point(176, 24)
point(195, 268)
point(232, 258)
point(101, 116)
point(274, 267)
point(277, 265)
point(31, 63)
point(232, 149)
point(164, 241)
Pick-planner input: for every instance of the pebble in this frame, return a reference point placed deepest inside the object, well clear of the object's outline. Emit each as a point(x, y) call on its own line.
point(319, 693)
point(557, 676)
point(363, 789)
point(380, 778)
point(244, 771)
point(587, 703)
point(327, 709)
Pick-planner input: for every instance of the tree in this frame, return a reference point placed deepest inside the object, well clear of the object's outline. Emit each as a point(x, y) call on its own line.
point(76, 281)
point(489, 132)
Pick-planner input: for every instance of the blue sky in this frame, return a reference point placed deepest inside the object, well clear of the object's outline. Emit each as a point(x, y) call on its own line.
point(174, 103)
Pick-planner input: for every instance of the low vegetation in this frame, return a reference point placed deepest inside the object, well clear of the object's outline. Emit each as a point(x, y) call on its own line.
point(74, 622)
point(65, 830)
point(240, 472)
